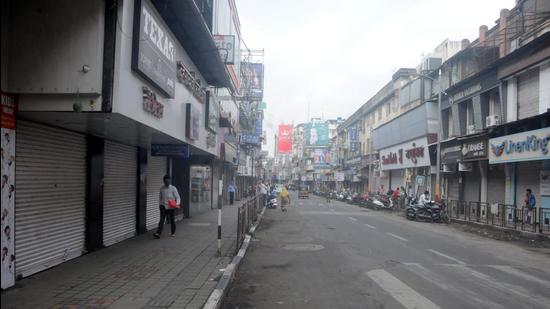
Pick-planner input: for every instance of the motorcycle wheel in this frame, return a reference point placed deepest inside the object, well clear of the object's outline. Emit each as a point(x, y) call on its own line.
point(411, 215)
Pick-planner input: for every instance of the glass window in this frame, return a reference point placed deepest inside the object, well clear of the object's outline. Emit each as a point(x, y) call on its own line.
point(201, 188)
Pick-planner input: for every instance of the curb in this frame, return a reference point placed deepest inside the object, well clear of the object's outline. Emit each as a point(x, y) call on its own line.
point(215, 299)
point(523, 234)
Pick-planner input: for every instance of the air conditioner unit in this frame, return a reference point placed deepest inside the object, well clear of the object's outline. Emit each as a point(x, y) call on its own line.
point(492, 120)
point(471, 129)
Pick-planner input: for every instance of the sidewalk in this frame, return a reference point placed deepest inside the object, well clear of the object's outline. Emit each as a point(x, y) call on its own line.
point(141, 272)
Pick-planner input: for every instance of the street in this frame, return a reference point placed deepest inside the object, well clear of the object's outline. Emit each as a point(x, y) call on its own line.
point(320, 255)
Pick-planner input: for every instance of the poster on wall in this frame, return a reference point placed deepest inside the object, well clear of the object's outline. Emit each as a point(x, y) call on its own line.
point(284, 144)
point(192, 123)
point(9, 105)
point(545, 183)
point(317, 134)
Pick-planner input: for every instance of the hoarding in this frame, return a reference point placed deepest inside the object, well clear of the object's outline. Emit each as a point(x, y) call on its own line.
point(192, 122)
point(285, 138)
point(226, 47)
point(317, 134)
point(212, 115)
point(524, 146)
point(153, 48)
point(254, 74)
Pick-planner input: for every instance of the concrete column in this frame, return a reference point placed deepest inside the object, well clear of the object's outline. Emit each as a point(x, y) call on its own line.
point(510, 194)
point(483, 169)
point(94, 201)
point(511, 100)
point(544, 88)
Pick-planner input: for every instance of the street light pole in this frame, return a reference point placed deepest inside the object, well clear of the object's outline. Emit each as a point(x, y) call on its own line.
point(439, 136)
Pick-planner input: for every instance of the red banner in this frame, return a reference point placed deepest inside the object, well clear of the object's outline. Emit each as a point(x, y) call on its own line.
point(9, 107)
point(285, 138)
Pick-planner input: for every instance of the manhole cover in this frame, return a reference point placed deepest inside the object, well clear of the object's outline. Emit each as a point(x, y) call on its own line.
point(303, 247)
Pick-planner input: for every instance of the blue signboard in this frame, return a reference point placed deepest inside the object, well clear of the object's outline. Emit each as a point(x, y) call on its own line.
point(250, 138)
point(259, 126)
point(317, 134)
point(352, 135)
point(170, 150)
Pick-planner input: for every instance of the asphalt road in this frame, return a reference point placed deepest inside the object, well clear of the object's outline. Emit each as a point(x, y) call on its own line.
point(320, 255)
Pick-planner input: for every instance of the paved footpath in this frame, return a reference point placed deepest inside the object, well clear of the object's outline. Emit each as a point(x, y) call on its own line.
point(141, 272)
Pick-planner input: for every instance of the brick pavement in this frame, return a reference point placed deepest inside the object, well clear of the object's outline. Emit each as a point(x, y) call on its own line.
point(141, 272)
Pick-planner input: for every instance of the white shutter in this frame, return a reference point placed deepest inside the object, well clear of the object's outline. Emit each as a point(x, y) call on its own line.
point(396, 179)
point(453, 186)
point(119, 193)
point(156, 169)
point(50, 205)
point(496, 184)
point(472, 184)
point(528, 94)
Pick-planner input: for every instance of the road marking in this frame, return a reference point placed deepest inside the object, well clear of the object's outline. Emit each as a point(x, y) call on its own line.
point(526, 296)
point(446, 256)
point(370, 226)
point(335, 212)
point(401, 292)
point(396, 236)
point(352, 219)
point(518, 273)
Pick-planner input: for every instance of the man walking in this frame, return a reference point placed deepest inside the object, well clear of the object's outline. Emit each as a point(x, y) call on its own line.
point(263, 193)
point(169, 199)
point(231, 190)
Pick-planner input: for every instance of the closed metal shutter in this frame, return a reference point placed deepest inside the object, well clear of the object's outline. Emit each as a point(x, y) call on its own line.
point(156, 169)
point(396, 179)
point(496, 184)
point(119, 193)
point(50, 204)
point(453, 186)
point(472, 184)
point(528, 94)
point(528, 177)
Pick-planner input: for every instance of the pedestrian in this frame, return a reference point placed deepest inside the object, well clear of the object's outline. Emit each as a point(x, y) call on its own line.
point(231, 190)
point(327, 194)
point(530, 204)
point(402, 197)
point(169, 199)
point(263, 193)
point(285, 198)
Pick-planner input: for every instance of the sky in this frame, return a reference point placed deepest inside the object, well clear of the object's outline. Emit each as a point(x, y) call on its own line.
point(325, 58)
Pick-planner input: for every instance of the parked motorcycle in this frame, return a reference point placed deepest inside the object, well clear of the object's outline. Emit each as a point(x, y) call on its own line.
point(272, 202)
point(427, 212)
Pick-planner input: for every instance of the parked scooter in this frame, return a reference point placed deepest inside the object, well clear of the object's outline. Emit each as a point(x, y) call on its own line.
point(272, 201)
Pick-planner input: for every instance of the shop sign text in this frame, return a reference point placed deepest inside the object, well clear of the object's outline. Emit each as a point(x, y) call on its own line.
point(412, 154)
point(525, 146)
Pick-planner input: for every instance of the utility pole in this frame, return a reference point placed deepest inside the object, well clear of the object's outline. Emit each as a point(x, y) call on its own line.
point(439, 136)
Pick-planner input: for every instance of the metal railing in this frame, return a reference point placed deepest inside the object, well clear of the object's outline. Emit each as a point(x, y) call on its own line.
point(503, 215)
point(247, 216)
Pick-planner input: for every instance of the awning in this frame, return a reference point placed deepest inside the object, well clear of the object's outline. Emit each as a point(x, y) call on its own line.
point(186, 22)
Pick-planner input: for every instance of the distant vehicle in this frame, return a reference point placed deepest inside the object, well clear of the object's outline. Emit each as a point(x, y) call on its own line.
point(303, 192)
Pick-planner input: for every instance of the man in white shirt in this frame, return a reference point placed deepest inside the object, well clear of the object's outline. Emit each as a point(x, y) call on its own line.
point(168, 199)
point(424, 198)
point(263, 193)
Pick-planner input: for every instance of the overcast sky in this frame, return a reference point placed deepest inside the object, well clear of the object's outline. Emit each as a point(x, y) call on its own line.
point(335, 55)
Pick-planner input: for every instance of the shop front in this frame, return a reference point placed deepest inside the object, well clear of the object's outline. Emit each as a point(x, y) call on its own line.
point(525, 157)
point(403, 164)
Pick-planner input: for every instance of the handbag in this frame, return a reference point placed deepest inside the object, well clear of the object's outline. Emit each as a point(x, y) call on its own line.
point(173, 204)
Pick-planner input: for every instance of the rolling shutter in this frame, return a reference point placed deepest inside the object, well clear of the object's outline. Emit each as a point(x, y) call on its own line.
point(472, 184)
point(453, 186)
point(528, 94)
point(120, 193)
point(156, 169)
point(496, 184)
point(396, 179)
point(51, 197)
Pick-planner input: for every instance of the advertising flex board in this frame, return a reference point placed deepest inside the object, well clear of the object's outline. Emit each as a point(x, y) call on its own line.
point(153, 48)
point(410, 154)
point(192, 123)
point(9, 107)
point(524, 146)
point(226, 47)
point(254, 73)
point(317, 134)
point(352, 137)
point(285, 138)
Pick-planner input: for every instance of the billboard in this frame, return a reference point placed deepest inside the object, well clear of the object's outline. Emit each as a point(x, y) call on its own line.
point(317, 134)
point(285, 138)
point(321, 157)
point(254, 74)
point(226, 47)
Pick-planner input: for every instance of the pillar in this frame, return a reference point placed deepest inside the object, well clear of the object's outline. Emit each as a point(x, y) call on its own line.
point(94, 201)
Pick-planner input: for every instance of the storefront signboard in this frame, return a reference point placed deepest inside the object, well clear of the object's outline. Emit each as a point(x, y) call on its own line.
point(524, 146)
point(170, 150)
point(226, 47)
point(420, 180)
point(475, 149)
point(153, 48)
point(450, 155)
point(9, 107)
point(339, 176)
point(407, 155)
point(192, 124)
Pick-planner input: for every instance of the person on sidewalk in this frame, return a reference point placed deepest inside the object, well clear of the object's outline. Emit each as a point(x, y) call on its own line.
point(530, 204)
point(231, 190)
point(285, 198)
point(263, 193)
point(424, 198)
point(169, 199)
